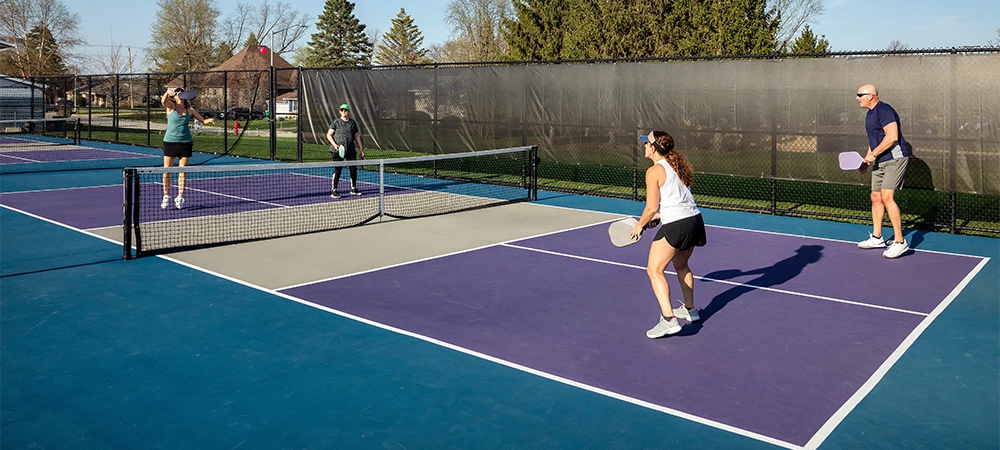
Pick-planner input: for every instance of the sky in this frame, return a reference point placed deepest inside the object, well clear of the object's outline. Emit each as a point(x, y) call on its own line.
point(847, 24)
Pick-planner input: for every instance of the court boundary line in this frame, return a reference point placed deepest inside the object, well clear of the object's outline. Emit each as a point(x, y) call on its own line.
point(499, 361)
point(814, 442)
point(733, 283)
point(834, 421)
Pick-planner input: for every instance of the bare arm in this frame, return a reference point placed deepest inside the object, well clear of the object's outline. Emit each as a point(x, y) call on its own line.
point(655, 177)
point(357, 141)
point(329, 137)
point(197, 115)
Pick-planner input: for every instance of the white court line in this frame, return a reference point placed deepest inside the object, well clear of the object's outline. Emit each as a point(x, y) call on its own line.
point(503, 362)
point(814, 442)
point(876, 377)
point(780, 291)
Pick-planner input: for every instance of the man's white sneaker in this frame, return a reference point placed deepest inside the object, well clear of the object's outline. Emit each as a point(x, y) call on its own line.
point(165, 202)
point(663, 328)
point(179, 202)
point(872, 242)
point(896, 249)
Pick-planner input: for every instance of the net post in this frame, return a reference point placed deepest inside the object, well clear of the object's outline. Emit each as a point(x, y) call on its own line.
point(76, 131)
point(533, 184)
point(127, 208)
point(381, 188)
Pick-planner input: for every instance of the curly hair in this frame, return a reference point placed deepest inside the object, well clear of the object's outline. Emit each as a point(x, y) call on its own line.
point(663, 142)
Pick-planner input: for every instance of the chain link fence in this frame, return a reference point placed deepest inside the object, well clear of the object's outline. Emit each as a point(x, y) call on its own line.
point(762, 132)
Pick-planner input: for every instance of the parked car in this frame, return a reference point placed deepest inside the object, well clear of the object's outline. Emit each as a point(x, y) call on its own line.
point(208, 113)
point(239, 113)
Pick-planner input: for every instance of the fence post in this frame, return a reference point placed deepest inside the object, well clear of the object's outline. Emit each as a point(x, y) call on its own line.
point(953, 140)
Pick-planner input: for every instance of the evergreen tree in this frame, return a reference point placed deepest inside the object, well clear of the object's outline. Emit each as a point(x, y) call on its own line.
point(42, 53)
point(252, 41)
point(340, 39)
point(536, 30)
point(808, 43)
point(586, 29)
point(401, 45)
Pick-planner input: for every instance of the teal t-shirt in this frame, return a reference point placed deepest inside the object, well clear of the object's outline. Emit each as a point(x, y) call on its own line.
point(177, 128)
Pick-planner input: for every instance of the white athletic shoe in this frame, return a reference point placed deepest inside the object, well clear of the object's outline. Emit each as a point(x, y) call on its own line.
point(691, 315)
point(663, 328)
point(896, 249)
point(165, 202)
point(872, 242)
point(179, 202)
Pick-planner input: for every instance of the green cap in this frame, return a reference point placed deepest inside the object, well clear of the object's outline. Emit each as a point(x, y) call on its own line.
point(345, 106)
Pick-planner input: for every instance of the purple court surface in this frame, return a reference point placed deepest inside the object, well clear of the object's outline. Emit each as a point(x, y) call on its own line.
point(791, 328)
point(69, 153)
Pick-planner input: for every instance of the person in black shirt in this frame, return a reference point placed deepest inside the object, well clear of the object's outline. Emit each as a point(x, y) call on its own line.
point(345, 145)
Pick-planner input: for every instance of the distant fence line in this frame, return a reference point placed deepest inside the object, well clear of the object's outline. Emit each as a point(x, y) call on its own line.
point(762, 132)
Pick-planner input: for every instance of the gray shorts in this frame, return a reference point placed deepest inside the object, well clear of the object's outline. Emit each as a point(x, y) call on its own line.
point(889, 174)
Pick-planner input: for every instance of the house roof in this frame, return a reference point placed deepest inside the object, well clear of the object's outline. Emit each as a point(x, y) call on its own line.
point(288, 96)
point(250, 58)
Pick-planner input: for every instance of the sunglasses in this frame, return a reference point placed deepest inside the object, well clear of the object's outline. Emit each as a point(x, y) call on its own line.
point(862, 94)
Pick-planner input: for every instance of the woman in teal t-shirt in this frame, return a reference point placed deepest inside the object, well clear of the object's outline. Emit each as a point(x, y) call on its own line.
point(177, 140)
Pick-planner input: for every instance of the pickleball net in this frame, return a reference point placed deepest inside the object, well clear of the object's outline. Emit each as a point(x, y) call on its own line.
point(241, 203)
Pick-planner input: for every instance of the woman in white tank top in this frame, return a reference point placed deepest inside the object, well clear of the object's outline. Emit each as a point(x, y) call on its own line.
point(669, 201)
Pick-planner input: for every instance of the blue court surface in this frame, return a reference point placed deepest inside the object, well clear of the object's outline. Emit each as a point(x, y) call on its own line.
point(538, 341)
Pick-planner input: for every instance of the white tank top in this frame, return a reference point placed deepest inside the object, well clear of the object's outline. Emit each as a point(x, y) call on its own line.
point(676, 201)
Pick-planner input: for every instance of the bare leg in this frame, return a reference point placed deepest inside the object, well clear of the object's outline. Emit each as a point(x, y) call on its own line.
point(878, 212)
point(167, 162)
point(888, 197)
point(181, 178)
point(660, 254)
point(684, 275)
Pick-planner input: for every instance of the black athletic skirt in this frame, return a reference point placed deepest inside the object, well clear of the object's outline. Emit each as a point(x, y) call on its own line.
point(685, 233)
point(178, 149)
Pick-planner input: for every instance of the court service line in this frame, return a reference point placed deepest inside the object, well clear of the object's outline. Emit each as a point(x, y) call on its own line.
point(749, 230)
point(883, 369)
point(500, 361)
point(733, 283)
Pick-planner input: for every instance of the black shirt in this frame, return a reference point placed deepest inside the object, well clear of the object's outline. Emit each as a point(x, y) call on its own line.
point(343, 132)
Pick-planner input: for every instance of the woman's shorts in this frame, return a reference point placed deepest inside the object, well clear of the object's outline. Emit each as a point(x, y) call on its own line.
point(177, 149)
point(685, 233)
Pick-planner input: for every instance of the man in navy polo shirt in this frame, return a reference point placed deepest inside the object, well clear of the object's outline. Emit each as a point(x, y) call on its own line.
point(888, 155)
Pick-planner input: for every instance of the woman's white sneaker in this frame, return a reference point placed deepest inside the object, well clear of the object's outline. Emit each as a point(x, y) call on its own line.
point(896, 249)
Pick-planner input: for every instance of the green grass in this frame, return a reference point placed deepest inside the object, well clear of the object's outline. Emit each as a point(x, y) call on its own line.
point(843, 197)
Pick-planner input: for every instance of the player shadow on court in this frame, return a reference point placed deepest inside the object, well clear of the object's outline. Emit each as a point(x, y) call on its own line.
point(770, 276)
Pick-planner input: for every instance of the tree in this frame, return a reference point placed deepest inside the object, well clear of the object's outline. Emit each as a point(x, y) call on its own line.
point(182, 36)
point(42, 31)
point(476, 30)
point(794, 14)
point(401, 44)
point(896, 45)
point(286, 24)
point(808, 43)
point(536, 31)
point(540, 29)
point(340, 39)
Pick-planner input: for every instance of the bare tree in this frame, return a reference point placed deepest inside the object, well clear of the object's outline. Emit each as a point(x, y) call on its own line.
point(43, 33)
point(475, 31)
point(896, 45)
point(375, 37)
point(794, 15)
point(181, 36)
point(287, 25)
